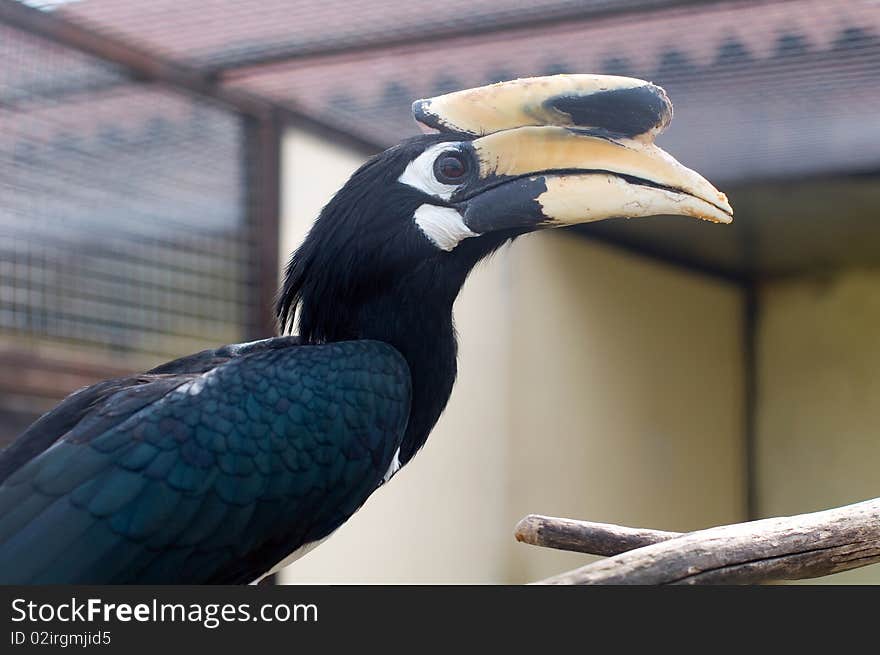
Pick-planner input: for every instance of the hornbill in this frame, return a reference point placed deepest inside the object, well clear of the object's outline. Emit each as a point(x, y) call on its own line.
point(221, 466)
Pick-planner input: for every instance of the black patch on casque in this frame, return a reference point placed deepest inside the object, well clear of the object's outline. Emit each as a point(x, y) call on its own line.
point(423, 116)
point(629, 112)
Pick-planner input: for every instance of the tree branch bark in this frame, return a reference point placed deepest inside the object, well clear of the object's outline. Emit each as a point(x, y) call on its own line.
point(783, 548)
point(586, 536)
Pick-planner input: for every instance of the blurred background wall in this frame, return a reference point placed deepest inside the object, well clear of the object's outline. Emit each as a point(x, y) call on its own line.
point(819, 412)
point(159, 161)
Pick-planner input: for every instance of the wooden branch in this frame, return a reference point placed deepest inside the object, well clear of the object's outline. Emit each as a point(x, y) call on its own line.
point(586, 536)
point(784, 548)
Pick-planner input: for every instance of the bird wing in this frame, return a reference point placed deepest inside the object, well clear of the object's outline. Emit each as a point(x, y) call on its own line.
point(213, 476)
point(66, 415)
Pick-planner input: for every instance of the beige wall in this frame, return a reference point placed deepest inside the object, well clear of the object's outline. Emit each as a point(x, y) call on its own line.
point(592, 384)
point(628, 401)
point(819, 396)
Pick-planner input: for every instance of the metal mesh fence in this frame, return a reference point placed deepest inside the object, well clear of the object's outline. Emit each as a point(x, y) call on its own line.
point(220, 33)
point(762, 88)
point(126, 234)
point(123, 221)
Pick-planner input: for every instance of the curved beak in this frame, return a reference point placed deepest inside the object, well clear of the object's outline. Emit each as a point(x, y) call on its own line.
point(550, 176)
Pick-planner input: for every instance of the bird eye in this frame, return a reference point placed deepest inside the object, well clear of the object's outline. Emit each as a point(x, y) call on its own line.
point(450, 167)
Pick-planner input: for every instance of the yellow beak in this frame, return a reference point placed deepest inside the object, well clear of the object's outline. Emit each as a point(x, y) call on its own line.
point(568, 149)
point(589, 177)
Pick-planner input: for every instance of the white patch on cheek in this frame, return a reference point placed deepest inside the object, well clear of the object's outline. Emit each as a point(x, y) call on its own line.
point(444, 226)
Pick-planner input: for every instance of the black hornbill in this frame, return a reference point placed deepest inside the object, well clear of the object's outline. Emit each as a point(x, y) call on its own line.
point(217, 467)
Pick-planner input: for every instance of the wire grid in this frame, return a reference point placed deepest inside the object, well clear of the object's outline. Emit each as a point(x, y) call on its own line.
point(211, 33)
point(124, 219)
point(761, 89)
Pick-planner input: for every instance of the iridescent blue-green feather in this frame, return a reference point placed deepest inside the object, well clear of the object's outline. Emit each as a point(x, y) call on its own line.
point(211, 474)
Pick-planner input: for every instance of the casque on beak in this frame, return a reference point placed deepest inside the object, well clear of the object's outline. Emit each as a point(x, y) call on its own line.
point(568, 149)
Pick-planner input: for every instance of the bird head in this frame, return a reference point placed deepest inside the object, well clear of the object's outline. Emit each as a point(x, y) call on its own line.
point(549, 152)
point(502, 160)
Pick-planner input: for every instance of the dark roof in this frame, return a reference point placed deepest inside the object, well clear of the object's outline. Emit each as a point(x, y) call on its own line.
point(124, 224)
point(760, 88)
point(224, 32)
